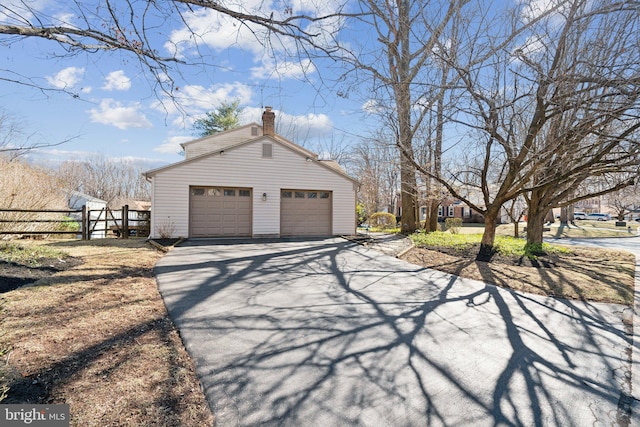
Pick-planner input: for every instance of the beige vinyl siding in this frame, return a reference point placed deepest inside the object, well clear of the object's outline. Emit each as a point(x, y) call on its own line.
point(245, 167)
point(219, 141)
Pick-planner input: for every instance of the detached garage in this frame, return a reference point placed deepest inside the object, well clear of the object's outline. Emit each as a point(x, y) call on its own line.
point(251, 182)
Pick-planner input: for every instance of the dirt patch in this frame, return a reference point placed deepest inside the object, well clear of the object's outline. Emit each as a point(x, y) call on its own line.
point(14, 275)
point(97, 336)
point(597, 275)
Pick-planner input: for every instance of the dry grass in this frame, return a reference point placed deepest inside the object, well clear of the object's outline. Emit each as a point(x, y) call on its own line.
point(98, 337)
point(584, 274)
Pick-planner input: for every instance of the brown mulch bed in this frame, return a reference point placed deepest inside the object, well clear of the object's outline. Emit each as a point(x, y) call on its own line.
point(14, 275)
point(541, 261)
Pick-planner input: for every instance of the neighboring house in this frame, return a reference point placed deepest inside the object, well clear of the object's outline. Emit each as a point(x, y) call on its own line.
point(136, 205)
point(591, 205)
point(458, 209)
point(77, 200)
point(95, 207)
point(454, 209)
point(250, 181)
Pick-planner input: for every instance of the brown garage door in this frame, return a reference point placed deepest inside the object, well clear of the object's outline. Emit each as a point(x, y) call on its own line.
point(220, 212)
point(305, 213)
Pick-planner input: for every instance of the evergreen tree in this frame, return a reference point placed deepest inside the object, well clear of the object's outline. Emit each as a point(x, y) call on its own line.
point(219, 120)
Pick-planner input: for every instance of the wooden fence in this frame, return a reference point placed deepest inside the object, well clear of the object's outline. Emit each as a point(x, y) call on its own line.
point(84, 223)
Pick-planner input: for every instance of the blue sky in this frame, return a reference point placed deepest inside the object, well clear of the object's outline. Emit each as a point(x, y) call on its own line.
point(116, 112)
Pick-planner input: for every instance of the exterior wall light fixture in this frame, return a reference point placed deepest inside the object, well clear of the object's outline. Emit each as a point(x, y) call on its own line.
point(264, 197)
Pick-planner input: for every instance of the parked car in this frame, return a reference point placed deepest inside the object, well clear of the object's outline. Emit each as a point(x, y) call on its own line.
point(579, 215)
point(599, 217)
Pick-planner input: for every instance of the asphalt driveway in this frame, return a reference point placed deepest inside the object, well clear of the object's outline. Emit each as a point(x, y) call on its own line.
point(330, 333)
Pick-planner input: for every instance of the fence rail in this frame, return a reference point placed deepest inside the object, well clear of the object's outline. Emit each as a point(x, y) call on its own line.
point(84, 223)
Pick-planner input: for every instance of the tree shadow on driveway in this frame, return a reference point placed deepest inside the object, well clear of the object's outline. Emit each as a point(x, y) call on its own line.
point(330, 333)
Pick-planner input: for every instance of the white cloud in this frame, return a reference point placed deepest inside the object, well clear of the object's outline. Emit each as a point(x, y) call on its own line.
point(113, 113)
point(67, 78)
point(534, 9)
point(307, 126)
point(65, 18)
point(117, 80)
point(283, 69)
point(371, 106)
point(17, 12)
point(171, 145)
point(53, 158)
point(192, 101)
point(297, 128)
point(219, 32)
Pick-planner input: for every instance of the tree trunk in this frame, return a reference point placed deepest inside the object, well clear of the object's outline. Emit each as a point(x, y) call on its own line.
point(409, 197)
point(535, 228)
point(564, 215)
point(549, 216)
point(489, 236)
point(400, 58)
point(536, 218)
point(433, 218)
point(437, 151)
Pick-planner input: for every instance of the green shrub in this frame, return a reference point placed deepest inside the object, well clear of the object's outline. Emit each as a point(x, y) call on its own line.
point(361, 212)
point(453, 225)
point(27, 254)
point(382, 220)
point(69, 224)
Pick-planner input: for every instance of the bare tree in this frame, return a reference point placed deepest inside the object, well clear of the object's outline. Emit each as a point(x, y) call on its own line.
point(139, 29)
point(107, 179)
point(516, 209)
point(397, 59)
point(375, 164)
point(625, 201)
point(546, 106)
point(14, 141)
point(522, 78)
point(23, 186)
point(589, 123)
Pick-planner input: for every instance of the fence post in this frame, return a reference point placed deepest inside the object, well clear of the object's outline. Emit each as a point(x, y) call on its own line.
point(125, 222)
point(88, 225)
point(84, 222)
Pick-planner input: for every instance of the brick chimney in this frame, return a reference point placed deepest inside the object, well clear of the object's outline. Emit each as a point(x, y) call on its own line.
point(268, 122)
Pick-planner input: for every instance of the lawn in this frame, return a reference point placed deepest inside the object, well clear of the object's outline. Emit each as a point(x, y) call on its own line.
point(96, 335)
point(597, 275)
point(581, 229)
